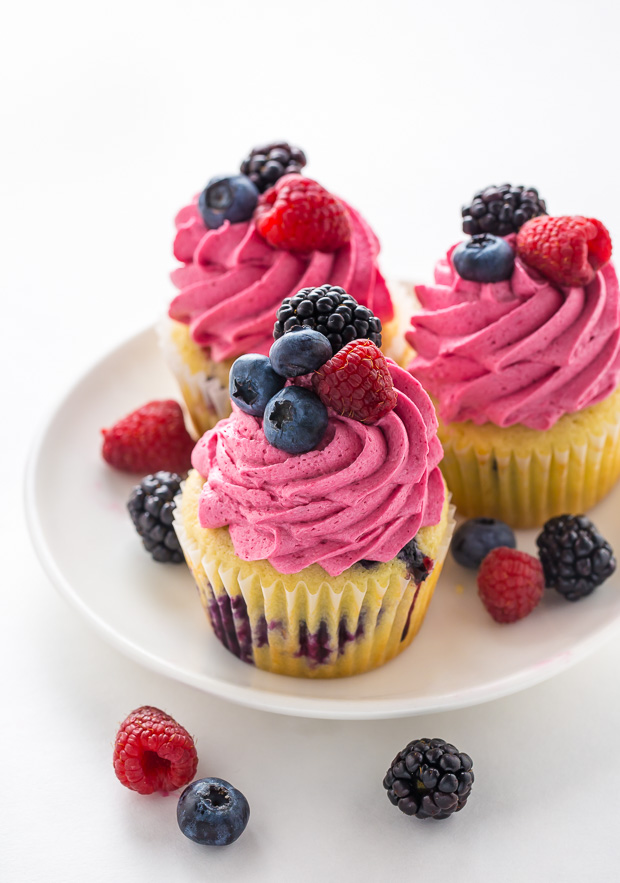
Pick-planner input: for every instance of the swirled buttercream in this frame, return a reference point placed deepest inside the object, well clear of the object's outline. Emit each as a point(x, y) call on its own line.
point(362, 494)
point(521, 351)
point(232, 281)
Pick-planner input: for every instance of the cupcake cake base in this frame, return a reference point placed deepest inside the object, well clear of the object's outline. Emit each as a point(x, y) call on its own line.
point(523, 476)
point(308, 624)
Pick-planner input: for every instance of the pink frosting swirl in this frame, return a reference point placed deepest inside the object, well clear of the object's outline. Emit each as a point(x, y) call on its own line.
point(362, 494)
point(232, 281)
point(522, 351)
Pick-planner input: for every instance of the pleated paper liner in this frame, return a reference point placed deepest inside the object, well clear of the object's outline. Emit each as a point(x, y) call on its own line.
point(203, 382)
point(524, 476)
point(307, 624)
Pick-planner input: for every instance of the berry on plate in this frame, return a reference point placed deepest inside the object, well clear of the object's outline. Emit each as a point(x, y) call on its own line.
point(357, 382)
point(212, 812)
point(300, 353)
point(567, 250)
point(151, 507)
point(268, 163)
point(574, 556)
point(227, 198)
point(152, 752)
point(297, 214)
point(502, 210)
point(253, 382)
point(150, 439)
point(484, 258)
point(295, 420)
point(510, 584)
point(429, 779)
point(474, 539)
point(330, 310)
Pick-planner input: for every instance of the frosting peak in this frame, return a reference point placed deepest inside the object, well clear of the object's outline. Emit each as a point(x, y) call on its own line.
point(232, 281)
point(362, 494)
point(521, 351)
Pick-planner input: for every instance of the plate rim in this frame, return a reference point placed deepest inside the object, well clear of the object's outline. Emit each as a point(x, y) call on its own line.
point(248, 696)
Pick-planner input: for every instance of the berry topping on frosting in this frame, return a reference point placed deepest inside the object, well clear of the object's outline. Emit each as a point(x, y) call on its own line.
point(266, 164)
point(484, 258)
point(253, 382)
point(567, 250)
point(502, 210)
point(300, 353)
point(295, 420)
point(330, 310)
point(357, 383)
point(151, 438)
point(299, 215)
point(224, 198)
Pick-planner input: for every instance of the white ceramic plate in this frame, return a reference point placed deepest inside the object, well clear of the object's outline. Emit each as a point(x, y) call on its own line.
point(151, 612)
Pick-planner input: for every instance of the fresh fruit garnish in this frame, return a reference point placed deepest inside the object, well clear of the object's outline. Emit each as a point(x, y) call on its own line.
point(295, 420)
point(266, 164)
point(252, 382)
point(330, 310)
point(501, 210)
point(574, 556)
point(151, 507)
point(212, 812)
point(227, 198)
point(357, 383)
point(510, 584)
point(297, 214)
point(474, 539)
point(152, 752)
point(484, 258)
point(429, 779)
point(567, 250)
point(150, 439)
point(300, 353)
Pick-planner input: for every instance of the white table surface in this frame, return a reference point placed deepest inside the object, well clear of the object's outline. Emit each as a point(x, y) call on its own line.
point(114, 114)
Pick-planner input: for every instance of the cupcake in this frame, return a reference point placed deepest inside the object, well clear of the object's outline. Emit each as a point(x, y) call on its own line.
point(244, 244)
point(518, 343)
point(316, 538)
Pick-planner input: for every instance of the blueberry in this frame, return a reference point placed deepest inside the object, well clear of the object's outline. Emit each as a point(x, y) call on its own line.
point(227, 198)
point(253, 382)
point(295, 420)
point(474, 539)
point(484, 258)
point(296, 354)
point(212, 812)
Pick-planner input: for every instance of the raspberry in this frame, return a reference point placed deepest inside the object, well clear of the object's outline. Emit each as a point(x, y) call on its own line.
point(152, 752)
point(297, 214)
point(510, 583)
point(151, 439)
point(567, 250)
point(429, 779)
point(357, 382)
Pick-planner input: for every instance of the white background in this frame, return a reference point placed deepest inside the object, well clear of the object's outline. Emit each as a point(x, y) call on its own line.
point(113, 116)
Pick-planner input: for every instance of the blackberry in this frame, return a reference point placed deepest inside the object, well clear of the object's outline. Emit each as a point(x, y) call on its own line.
point(264, 165)
point(151, 506)
point(502, 210)
point(429, 778)
point(330, 310)
point(575, 557)
point(418, 565)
